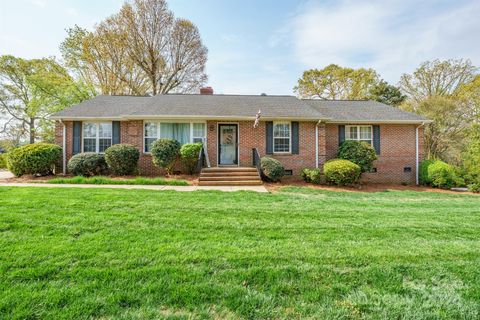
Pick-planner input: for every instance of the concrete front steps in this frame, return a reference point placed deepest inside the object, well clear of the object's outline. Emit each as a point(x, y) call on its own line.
point(229, 176)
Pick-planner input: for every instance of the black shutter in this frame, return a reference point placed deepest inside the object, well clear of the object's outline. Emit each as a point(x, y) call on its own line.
point(115, 132)
point(376, 138)
point(295, 144)
point(269, 137)
point(77, 137)
point(341, 135)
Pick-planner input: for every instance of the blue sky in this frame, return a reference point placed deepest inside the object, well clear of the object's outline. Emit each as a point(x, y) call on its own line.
point(263, 46)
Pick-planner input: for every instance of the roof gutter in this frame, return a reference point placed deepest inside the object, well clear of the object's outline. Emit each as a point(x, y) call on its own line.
point(382, 121)
point(178, 117)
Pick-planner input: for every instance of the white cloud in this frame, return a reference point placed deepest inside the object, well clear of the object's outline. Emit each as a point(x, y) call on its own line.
point(391, 36)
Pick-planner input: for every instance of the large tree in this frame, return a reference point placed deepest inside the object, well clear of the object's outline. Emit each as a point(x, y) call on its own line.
point(143, 49)
point(387, 93)
point(447, 92)
point(31, 90)
point(335, 82)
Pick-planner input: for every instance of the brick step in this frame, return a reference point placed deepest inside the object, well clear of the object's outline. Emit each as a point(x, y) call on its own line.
point(229, 169)
point(229, 178)
point(231, 183)
point(223, 174)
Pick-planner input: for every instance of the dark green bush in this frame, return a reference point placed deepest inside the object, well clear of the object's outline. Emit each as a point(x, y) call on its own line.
point(3, 160)
point(122, 159)
point(358, 152)
point(37, 159)
point(88, 164)
point(189, 153)
point(341, 172)
point(164, 153)
point(443, 175)
point(272, 169)
point(312, 175)
point(423, 172)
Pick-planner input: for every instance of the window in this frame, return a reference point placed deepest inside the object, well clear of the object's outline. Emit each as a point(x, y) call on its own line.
point(182, 132)
point(359, 133)
point(281, 137)
point(97, 137)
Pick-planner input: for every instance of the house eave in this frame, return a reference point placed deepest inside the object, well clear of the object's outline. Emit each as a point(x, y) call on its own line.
point(377, 121)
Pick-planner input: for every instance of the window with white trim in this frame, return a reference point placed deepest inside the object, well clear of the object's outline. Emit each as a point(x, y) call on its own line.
point(281, 137)
point(183, 132)
point(97, 136)
point(359, 133)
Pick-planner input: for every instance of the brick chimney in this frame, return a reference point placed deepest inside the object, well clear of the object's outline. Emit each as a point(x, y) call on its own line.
point(206, 90)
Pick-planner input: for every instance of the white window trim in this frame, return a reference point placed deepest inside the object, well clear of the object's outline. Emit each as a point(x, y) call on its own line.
point(347, 129)
point(97, 135)
point(159, 123)
point(289, 137)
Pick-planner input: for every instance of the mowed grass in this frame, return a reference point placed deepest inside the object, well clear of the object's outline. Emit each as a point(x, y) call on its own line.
point(300, 253)
point(107, 180)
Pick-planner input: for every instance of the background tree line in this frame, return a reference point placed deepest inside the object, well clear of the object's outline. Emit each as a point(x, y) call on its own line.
point(447, 92)
point(141, 50)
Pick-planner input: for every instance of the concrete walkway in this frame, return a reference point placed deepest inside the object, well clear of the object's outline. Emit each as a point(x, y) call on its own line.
point(145, 187)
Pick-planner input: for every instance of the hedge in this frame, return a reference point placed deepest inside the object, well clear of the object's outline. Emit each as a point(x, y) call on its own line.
point(122, 159)
point(341, 172)
point(164, 153)
point(443, 175)
point(359, 152)
point(189, 153)
point(272, 169)
point(88, 164)
point(36, 159)
point(312, 175)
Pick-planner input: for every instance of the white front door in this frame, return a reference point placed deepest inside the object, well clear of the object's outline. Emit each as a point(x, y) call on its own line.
point(227, 144)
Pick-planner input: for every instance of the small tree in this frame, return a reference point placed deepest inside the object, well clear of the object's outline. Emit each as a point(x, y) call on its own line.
point(189, 153)
point(360, 153)
point(164, 153)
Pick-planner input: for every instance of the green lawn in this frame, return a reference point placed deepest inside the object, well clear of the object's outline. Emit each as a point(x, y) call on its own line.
point(299, 253)
point(107, 180)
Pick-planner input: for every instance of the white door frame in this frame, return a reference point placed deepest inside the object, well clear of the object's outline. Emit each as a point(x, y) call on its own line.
point(218, 142)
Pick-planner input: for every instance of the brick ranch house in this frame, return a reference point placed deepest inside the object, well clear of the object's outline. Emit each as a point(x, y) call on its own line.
point(298, 133)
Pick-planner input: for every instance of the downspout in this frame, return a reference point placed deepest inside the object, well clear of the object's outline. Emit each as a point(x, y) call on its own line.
point(316, 143)
point(64, 151)
point(417, 155)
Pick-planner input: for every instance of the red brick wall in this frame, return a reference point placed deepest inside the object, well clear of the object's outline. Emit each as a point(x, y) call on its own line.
point(397, 150)
point(397, 147)
point(250, 138)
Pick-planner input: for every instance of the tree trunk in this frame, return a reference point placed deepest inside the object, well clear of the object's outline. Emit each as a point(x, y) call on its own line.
point(31, 127)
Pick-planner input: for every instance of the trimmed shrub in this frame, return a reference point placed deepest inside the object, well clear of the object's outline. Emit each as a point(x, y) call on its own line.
point(3, 160)
point(341, 172)
point(88, 164)
point(122, 159)
point(189, 153)
point(36, 159)
point(272, 169)
point(312, 175)
point(442, 175)
point(474, 187)
point(358, 152)
point(423, 172)
point(164, 153)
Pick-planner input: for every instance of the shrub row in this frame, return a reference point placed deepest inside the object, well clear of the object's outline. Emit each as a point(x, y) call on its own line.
point(3, 160)
point(312, 175)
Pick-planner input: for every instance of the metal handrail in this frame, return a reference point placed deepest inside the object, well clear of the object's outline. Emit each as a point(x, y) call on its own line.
point(257, 162)
point(201, 159)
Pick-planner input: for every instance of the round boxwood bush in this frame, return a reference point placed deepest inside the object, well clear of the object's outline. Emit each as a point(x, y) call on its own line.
point(341, 172)
point(189, 153)
point(36, 159)
point(122, 159)
point(358, 152)
point(88, 164)
point(164, 153)
point(423, 171)
point(272, 169)
point(443, 175)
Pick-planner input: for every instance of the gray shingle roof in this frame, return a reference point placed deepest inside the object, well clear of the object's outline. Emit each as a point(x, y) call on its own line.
point(355, 110)
point(231, 106)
